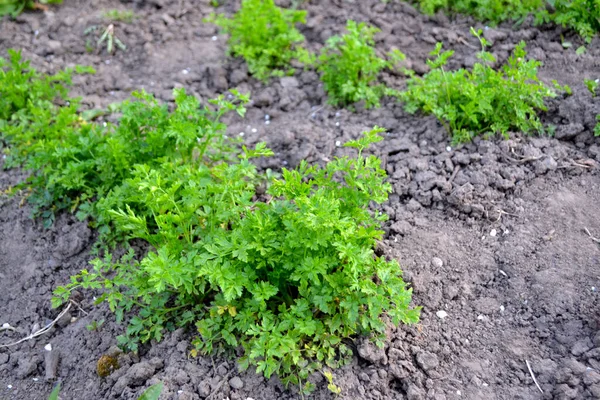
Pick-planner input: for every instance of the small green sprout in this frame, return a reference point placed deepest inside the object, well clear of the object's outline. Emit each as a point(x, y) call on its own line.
point(108, 36)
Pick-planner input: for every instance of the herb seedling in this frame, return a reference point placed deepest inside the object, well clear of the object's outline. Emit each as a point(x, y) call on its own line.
point(592, 85)
point(350, 67)
point(108, 36)
point(94, 325)
point(469, 103)
point(265, 35)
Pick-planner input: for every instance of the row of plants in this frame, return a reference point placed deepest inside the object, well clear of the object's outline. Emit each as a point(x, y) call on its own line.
point(467, 103)
point(278, 269)
point(581, 16)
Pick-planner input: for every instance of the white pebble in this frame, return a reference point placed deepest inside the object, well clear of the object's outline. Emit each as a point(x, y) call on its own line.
point(36, 32)
point(503, 273)
point(284, 162)
point(448, 148)
point(482, 317)
point(267, 122)
point(185, 72)
point(107, 62)
point(502, 308)
point(337, 124)
point(242, 133)
point(493, 233)
point(104, 124)
point(458, 392)
point(338, 143)
point(179, 391)
point(36, 379)
point(267, 117)
point(441, 314)
point(214, 38)
point(593, 288)
point(9, 386)
point(254, 130)
point(48, 347)
point(6, 325)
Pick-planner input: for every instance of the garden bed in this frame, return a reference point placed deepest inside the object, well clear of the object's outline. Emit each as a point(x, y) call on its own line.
point(495, 236)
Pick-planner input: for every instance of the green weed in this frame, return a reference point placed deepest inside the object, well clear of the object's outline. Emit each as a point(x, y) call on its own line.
point(349, 67)
point(470, 103)
point(265, 35)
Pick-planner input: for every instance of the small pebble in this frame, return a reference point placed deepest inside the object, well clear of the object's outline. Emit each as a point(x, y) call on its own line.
point(493, 233)
point(448, 148)
point(502, 308)
point(458, 392)
point(267, 117)
point(337, 124)
point(107, 62)
point(9, 386)
point(284, 162)
point(267, 122)
point(254, 130)
point(503, 273)
point(593, 288)
point(185, 72)
point(441, 314)
point(437, 262)
point(48, 347)
point(214, 38)
point(242, 133)
point(338, 143)
point(179, 391)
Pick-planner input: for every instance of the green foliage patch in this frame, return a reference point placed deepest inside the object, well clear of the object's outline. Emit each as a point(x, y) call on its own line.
point(493, 11)
point(582, 16)
point(286, 276)
point(265, 35)
point(16, 7)
point(350, 66)
point(484, 100)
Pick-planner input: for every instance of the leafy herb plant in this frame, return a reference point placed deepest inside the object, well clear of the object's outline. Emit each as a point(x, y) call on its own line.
point(350, 66)
point(265, 35)
point(470, 103)
point(288, 279)
point(492, 11)
point(583, 16)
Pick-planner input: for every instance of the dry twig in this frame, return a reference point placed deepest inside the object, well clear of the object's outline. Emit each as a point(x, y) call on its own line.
point(533, 376)
point(590, 235)
point(41, 331)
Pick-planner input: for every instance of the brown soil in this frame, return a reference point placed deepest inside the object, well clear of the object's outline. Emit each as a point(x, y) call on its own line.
point(492, 233)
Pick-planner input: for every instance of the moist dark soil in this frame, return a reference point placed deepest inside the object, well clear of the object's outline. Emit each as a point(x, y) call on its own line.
point(496, 236)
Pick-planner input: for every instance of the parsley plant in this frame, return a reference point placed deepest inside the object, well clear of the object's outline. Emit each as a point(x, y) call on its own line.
point(470, 103)
point(350, 67)
point(265, 35)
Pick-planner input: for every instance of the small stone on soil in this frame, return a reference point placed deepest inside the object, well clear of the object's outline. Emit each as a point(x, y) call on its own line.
point(437, 262)
point(236, 383)
point(427, 360)
point(441, 314)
